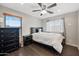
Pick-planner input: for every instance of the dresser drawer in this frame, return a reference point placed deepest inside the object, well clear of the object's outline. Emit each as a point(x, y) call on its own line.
point(9, 30)
point(4, 39)
point(11, 48)
point(8, 35)
point(10, 42)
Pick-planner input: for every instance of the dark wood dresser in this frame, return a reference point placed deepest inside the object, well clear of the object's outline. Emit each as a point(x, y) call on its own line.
point(9, 39)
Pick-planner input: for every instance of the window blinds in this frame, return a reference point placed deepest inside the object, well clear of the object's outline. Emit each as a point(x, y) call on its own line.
point(55, 26)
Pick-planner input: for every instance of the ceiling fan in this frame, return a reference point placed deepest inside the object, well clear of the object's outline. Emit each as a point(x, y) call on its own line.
point(44, 8)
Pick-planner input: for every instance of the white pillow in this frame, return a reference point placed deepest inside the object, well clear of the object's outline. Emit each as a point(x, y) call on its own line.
point(39, 30)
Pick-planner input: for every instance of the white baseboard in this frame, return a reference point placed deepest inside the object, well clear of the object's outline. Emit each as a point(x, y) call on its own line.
point(72, 45)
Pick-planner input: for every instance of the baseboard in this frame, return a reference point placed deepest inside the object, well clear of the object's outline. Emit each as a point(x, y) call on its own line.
point(72, 45)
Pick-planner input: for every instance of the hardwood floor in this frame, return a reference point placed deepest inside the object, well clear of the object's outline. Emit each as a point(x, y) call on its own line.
point(38, 50)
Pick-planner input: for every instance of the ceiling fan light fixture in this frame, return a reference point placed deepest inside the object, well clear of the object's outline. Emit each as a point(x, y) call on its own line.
point(44, 8)
point(43, 12)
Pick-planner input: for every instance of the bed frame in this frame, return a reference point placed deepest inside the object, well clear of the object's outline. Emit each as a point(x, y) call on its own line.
point(35, 30)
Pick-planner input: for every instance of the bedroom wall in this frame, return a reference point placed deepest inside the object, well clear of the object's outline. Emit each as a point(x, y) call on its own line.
point(27, 20)
point(71, 27)
point(78, 30)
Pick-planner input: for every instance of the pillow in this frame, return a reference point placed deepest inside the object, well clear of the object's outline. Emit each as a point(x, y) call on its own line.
point(39, 30)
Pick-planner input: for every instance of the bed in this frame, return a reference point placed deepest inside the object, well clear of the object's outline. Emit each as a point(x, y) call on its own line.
point(52, 39)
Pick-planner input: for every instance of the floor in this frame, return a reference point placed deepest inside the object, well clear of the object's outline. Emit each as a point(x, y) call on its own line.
point(38, 50)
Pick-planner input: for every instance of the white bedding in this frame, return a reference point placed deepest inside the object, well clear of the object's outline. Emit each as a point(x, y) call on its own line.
point(51, 39)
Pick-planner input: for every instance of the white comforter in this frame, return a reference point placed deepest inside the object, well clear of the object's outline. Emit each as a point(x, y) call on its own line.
point(52, 39)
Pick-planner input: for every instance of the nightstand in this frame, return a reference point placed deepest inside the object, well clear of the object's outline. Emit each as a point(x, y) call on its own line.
point(27, 40)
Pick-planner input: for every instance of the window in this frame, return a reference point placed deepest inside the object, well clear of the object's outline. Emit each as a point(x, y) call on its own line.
point(12, 21)
point(55, 26)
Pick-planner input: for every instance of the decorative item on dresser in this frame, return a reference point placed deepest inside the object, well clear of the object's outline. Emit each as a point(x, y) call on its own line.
point(27, 40)
point(9, 40)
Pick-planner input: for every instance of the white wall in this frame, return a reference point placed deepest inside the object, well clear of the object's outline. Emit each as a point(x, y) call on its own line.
point(71, 29)
point(27, 20)
point(30, 22)
point(71, 24)
point(78, 30)
point(1, 22)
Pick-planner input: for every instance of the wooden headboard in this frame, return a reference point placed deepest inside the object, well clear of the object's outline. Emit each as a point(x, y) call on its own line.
point(35, 29)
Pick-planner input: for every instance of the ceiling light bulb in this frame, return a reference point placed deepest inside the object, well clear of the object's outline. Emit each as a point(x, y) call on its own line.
point(44, 12)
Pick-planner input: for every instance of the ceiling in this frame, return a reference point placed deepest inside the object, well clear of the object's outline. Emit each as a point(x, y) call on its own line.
point(27, 8)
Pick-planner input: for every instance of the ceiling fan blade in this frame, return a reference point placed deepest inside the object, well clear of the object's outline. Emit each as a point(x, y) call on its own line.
point(36, 10)
point(40, 4)
point(50, 12)
point(52, 5)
